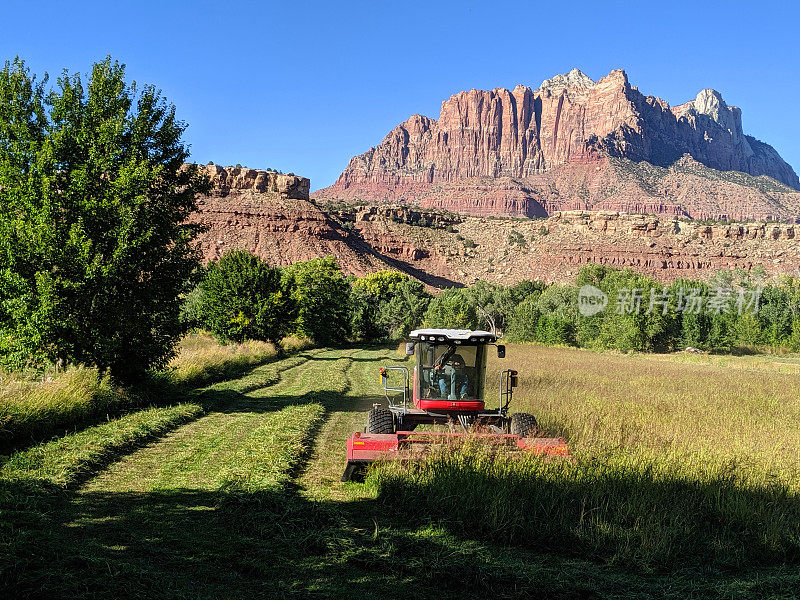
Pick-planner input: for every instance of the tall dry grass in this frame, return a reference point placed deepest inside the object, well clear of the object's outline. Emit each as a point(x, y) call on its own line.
point(680, 462)
point(32, 408)
point(743, 411)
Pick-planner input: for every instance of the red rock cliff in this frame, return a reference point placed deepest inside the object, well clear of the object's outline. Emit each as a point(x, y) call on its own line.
point(527, 135)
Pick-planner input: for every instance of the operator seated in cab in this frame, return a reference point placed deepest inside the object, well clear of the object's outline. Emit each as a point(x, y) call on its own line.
point(453, 382)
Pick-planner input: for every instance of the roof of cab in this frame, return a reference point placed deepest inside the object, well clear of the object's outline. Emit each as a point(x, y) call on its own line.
point(461, 335)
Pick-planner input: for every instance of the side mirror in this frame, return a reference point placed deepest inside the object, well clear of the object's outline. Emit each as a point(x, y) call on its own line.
point(409, 348)
point(501, 351)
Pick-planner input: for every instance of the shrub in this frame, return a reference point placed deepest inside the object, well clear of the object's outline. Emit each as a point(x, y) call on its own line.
point(243, 298)
point(320, 294)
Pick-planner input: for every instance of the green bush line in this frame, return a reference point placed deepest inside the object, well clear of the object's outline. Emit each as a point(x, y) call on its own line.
point(732, 311)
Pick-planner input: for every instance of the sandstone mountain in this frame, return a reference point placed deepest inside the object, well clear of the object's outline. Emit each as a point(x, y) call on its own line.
point(576, 144)
point(271, 215)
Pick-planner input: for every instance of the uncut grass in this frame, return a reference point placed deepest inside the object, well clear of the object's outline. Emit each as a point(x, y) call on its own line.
point(678, 462)
point(621, 509)
point(687, 411)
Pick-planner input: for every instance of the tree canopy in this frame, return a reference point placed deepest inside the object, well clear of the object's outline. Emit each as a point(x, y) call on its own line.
point(94, 248)
point(244, 298)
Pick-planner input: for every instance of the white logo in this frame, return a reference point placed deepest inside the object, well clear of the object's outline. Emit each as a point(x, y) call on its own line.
point(591, 300)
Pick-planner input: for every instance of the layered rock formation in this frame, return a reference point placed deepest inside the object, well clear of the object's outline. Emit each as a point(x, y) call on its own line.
point(271, 215)
point(510, 152)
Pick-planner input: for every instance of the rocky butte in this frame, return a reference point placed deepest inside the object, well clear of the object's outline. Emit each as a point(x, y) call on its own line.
point(576, 144)
point(271, 215)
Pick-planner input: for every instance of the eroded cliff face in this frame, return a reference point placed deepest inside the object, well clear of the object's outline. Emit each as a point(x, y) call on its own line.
point(526, 139)
point(271, 215)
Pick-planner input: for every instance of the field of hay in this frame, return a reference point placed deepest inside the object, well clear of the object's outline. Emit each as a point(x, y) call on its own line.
point(742, 412)
point(684, 484)
point(679, 460)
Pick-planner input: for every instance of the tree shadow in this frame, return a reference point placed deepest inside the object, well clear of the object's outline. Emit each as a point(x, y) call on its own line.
point(226, 544)
point(273, 544)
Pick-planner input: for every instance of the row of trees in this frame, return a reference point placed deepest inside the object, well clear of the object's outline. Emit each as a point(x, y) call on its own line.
point(734, 309)
point(242, 297)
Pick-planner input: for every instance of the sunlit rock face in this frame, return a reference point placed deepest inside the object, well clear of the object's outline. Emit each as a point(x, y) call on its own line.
point(522, 138)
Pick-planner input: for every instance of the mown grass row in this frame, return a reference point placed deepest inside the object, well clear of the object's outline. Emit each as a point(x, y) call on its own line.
point(33, 410)
point(64, 461)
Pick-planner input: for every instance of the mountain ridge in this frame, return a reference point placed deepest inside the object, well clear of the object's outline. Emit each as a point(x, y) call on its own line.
point(529, 135)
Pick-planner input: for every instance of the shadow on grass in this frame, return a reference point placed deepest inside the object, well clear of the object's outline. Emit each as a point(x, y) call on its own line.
point(632, 514)
point(189, 543)
point(232, 544)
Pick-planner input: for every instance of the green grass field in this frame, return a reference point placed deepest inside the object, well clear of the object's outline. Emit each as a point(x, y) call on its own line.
point(685, 485)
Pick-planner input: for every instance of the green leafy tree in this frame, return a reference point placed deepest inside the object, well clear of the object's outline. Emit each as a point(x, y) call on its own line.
point(524, 320)
point(386, 304)
point(368, 294)
point(244, 298)
point(381, 284)
point(405, 308)
point(95, 250)
point(454, 308)
point(321, 295)
point(694, 327)
point(557, 307)
point(640, 314)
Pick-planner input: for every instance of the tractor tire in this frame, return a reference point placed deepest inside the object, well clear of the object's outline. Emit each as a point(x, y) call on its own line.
point(380, 420)
point(524, 425)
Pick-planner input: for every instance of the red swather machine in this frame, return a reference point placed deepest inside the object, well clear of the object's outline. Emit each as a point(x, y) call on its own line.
point(446, 388)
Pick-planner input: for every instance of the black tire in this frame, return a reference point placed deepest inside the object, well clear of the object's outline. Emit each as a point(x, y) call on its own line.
point(524, 425)
point(380, 420)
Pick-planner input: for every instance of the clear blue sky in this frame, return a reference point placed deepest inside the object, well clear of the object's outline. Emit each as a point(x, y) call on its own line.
point(302, 86)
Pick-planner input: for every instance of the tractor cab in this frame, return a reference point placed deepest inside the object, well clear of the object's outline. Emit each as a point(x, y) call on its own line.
point(450, 368)
point(445, 389)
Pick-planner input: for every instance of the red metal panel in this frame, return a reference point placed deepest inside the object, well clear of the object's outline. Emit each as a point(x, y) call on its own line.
point(368, 447)
point(371, 446)
point(460, 405)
